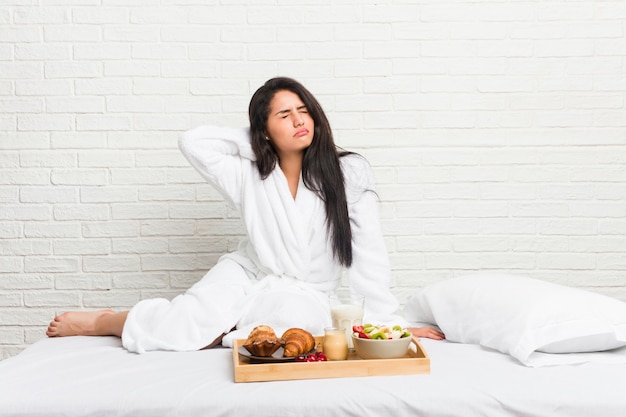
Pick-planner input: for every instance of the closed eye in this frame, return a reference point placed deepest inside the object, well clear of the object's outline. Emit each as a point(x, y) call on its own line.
point(283, 114)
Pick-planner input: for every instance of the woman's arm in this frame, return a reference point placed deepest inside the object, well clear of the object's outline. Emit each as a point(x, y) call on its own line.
point(370, 273)
point(221, 156)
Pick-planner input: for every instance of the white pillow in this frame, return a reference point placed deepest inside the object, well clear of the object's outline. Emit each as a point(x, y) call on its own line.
point(522, 316)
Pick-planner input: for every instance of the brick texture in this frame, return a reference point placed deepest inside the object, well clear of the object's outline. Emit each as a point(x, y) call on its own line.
point(495, 130)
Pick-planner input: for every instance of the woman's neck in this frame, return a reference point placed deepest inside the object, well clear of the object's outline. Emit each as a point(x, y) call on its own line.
point(292, 167)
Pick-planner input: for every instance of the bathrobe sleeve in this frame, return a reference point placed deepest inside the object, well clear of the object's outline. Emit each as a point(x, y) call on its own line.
point(222, 156)
point(370, 273)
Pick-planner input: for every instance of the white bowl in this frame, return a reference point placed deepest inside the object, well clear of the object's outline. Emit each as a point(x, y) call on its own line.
point(381, 348)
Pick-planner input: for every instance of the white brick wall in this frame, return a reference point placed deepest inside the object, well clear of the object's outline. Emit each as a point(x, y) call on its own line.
point(497, 131)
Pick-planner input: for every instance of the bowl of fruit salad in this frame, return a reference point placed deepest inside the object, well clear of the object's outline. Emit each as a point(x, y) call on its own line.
point(380, 342)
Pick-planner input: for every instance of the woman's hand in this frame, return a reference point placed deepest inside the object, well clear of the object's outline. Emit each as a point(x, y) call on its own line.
point(428, 332)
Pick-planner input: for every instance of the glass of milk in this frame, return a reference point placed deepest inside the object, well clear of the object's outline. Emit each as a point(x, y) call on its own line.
point(346, 311)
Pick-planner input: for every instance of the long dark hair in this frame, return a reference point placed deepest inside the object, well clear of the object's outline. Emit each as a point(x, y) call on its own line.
point(321, 170)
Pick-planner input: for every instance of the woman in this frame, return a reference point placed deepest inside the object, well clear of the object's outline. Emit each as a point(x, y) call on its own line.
point(309, 212)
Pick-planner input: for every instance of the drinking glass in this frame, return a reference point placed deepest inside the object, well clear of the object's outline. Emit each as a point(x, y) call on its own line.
point(346, 311)
point(335, 345)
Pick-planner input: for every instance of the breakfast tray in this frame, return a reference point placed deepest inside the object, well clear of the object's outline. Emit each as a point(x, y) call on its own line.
point(416, 361)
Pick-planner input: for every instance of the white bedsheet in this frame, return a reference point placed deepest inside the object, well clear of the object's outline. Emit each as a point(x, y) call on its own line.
point(95, 376)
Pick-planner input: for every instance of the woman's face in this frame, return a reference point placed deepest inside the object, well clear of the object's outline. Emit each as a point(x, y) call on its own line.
point(290, 128)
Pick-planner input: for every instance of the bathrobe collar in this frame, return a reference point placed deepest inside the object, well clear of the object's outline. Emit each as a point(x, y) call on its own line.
point(277, 226)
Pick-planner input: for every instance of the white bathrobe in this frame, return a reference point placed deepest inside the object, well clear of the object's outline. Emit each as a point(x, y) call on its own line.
point(284, 270)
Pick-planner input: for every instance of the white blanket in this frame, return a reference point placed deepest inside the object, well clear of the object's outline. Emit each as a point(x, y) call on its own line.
point(95, 376)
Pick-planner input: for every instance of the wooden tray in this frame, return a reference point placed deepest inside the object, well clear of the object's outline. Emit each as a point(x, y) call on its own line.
point(416, 361)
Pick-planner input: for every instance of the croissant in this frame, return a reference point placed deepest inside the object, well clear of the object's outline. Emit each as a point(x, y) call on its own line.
point(262, 341)
point(297, 342)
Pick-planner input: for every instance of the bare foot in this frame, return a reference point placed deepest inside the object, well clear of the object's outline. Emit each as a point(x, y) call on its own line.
point(78, 323)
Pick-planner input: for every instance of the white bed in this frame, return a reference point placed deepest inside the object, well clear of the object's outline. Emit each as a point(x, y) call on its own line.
point(516, 347)
point(95, 376)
